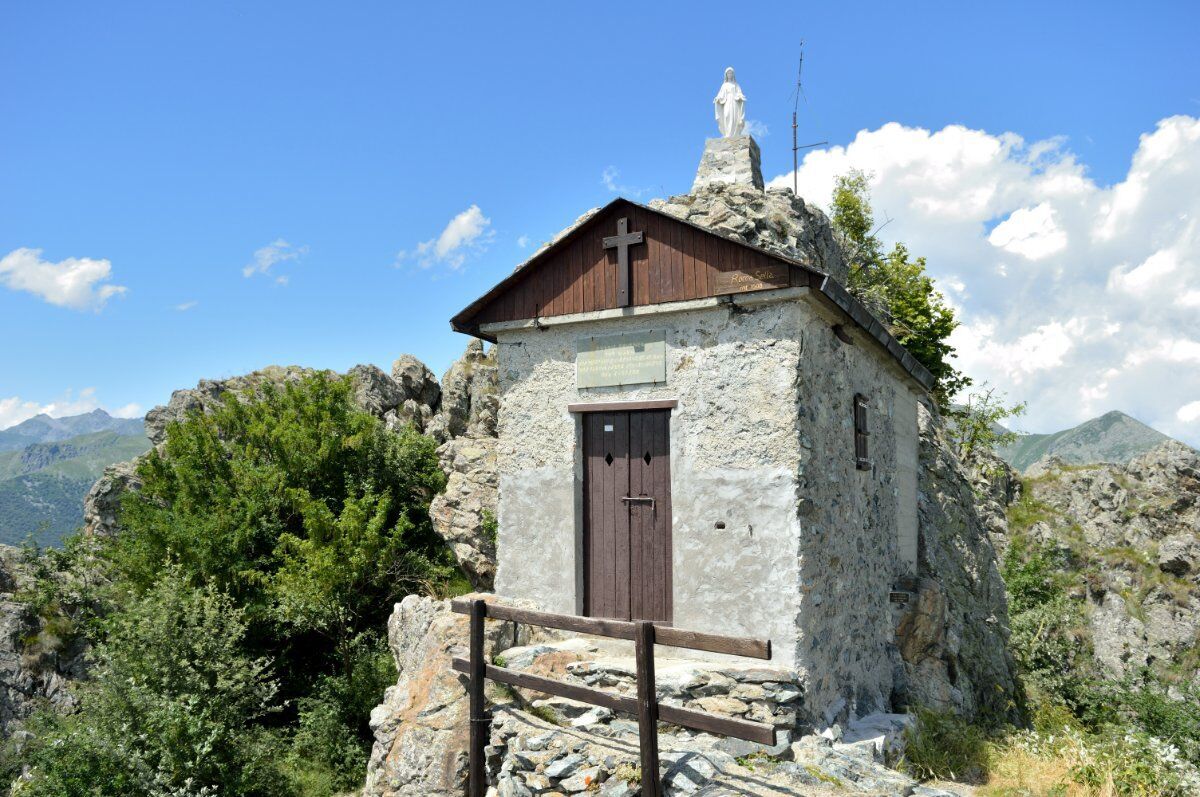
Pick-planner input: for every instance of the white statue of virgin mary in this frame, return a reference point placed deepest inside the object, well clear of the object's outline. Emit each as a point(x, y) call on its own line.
point(730, 107)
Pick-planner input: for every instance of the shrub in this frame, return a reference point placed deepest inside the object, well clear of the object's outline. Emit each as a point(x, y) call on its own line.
point(943, 745)
point(303, 508)
point(306, 520)
point(171, 708)
point(328, 742)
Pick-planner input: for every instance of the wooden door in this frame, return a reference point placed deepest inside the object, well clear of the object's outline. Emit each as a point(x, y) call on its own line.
point(627, 515)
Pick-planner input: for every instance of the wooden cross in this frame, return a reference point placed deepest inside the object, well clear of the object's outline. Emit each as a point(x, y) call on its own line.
point(621, 242)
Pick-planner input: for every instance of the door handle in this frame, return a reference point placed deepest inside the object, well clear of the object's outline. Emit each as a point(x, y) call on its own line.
point(639, 499)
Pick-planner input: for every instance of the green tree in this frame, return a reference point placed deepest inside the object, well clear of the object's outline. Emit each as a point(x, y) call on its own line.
point(172, 707)
point(895, 287)
point(977, 423)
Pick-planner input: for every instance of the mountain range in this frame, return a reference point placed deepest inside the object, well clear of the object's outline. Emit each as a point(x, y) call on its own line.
point(44, 429)
point(1113, 437)
point(47, 466)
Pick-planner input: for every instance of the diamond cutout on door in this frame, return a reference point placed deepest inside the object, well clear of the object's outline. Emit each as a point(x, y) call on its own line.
point(647, 457)
point(608, 459)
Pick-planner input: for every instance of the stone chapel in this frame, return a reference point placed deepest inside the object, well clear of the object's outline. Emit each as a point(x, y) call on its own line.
point(699, 426)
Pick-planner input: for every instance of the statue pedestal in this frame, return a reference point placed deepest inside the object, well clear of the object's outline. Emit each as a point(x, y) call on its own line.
point(730, 160)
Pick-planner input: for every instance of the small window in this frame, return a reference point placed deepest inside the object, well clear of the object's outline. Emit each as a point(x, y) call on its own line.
point(862, 457)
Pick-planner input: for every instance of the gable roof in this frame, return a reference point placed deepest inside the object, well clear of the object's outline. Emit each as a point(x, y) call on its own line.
point(579, 280)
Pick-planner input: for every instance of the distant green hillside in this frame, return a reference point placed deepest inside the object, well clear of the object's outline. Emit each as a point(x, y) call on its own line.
point(42, 486)
point(1113, 437)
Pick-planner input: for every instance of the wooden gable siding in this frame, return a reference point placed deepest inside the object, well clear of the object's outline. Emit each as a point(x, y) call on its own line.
point(677, 262)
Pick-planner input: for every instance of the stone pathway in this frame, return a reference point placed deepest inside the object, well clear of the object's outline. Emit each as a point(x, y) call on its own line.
point(531, 756)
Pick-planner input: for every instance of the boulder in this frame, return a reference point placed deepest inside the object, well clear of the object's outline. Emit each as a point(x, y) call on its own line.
point(422, 727)
point(470, 396)
point(775, 220)
point(464, 513)
point(103, 502)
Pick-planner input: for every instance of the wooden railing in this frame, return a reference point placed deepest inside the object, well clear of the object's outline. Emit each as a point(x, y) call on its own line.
point(645, 635)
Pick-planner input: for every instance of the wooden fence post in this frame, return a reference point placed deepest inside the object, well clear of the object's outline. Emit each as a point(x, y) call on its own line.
point(647, 708)
point(480, 721)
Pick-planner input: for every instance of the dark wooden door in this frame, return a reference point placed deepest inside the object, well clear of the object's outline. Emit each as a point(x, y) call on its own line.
point(627, 515)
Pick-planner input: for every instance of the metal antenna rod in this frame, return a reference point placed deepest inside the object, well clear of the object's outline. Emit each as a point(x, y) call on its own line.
point(795, 109)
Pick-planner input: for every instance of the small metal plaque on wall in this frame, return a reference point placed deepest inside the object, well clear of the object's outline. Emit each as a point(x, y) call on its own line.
point(631, 358)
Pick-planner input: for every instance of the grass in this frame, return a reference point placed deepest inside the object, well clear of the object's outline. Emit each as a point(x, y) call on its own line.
point(1027, 511)
point(943, 745)
point(1019, 773)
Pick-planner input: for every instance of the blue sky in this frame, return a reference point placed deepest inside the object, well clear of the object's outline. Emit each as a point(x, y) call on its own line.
point(176, 141)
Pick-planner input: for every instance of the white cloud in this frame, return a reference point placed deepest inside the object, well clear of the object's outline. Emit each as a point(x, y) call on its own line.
point(609, 178)
point(757, 129)
point(271, 255)
point(183, 307)
point(1030, 232)
point(1076, 296)
point(1189, 413)
point(467, 233)
point(14, 409)
point(130, 410)
point(80, 283)
point(523, 241)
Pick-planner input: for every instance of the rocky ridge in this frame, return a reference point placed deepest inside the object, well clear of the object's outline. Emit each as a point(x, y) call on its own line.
point(952, 635)
point(1130, 535)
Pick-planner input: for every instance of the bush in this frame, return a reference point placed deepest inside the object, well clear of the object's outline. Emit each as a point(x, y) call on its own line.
point(333, 717)
point(306, 520)
point(943, 745)
point(303, 508)
point(171, 709)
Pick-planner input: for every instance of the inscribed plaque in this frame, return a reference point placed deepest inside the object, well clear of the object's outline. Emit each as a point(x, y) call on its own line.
point(632, 358)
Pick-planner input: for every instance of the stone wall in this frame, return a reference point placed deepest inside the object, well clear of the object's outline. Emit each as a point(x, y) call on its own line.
point(850, 519)
point(734, 450)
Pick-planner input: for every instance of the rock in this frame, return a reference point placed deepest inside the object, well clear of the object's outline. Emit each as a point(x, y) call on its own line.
point(564, 767)
point(103, 502)
point(952, 635)
point(1131, 535)
point(881, 734)
point(1179, 555)
point(417, 381)
point(687, 773)
point(470, 396)
point(375, 391)
point(775, 219)
point(35, 666)
point(464, 513)
point(583, 780)
point(421, 729)
point(617, 788)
